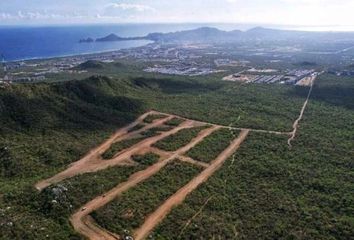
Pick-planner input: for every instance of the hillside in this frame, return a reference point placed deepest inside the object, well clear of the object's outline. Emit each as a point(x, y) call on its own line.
point(110, 38)
point(90, 64)
point(214, 35)
point(44, 127)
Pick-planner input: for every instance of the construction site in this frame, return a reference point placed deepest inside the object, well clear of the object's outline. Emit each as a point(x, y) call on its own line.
point(152, 133)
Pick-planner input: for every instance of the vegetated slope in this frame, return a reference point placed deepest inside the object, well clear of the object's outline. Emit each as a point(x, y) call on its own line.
point(214, 35)
point(90, 64)
point(271, 107)
point(56, 117)
point(271, 192)
point(258, 106)
point(44, 127)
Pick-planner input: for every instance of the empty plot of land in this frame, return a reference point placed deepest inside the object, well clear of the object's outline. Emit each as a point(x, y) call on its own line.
point(213, 145)
point(181, 194)
point(183, 133)
point(128, 211)
point(92, 161)
point(175, 140)
point(240, 78)
point(88, 228)
point(307, 81)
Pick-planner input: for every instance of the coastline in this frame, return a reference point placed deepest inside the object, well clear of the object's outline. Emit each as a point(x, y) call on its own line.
point(48, 58)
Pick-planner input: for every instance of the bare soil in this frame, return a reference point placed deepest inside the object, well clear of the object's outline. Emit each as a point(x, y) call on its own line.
point(90, 229)
point(297, 121)
point(92, 162)
point(176, 199)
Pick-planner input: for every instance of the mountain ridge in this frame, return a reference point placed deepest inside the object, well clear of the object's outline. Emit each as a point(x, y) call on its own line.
point(215, 35)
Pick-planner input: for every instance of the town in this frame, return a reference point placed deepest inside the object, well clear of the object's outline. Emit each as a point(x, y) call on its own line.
point(290, 77)
point(266, 66)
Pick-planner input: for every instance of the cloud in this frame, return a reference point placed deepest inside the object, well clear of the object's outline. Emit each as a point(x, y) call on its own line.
point(130, 7)
point(6, 16)
point(32, 15)
point(282, 12)
point(125, 11)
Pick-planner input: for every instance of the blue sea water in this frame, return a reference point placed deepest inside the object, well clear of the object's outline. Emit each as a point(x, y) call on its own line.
point(19, 43)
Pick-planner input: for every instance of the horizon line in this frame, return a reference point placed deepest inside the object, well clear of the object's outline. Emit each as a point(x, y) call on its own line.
point(315, 28)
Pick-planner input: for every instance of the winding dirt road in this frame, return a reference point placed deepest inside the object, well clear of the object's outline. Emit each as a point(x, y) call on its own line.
point(81, 221)
point(176, 199)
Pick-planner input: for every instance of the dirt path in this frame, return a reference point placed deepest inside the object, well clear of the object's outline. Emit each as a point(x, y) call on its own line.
point(258, 130)
point(176, 199)
point(228, 127)
point(194, 216)
point(88, 228)
point(194, 162)
point(92, 162)
point(181, 158)
point(297, 121)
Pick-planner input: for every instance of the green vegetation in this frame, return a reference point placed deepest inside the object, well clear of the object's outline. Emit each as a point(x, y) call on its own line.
point(136, 127)
point(179, 139)
point(47, 212)
point(228, 103)
point(174, 122)
point(153, 132)
point(213, 145)
point(127, 143)
point(43, 128)
point(258, 106)
point(90, 64)
point(272, 107)
point(147, 159)
point(162, 128)
point(119, 146)
point(47, 126)
point(129, 211)
point(271, 192)
point(152, 117)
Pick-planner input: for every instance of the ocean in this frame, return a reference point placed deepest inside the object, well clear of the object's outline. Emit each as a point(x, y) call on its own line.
point(21, 43)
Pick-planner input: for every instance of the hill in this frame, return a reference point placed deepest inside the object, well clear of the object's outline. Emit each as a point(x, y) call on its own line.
point(214, 35)
point(265, 192)
point(110, 38)
point(114, 38)
point(90, 64)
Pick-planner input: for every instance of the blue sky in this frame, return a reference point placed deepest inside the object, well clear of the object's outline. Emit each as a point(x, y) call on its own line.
point(285, 12)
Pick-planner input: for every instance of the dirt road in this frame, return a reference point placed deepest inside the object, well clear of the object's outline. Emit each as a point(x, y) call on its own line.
point(297, 121)
point(176, 199)
point(92, 162)
point(88, 228)
point(228, 127)
point(194, 162)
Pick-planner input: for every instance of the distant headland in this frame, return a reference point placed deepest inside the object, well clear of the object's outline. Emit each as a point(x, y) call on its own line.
point(214, 35)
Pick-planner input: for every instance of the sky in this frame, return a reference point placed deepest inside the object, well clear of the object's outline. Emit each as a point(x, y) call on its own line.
point(329, 14)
